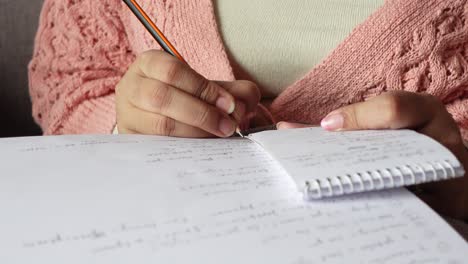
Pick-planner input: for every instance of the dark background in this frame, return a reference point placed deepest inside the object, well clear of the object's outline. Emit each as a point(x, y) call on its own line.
point(18, 24)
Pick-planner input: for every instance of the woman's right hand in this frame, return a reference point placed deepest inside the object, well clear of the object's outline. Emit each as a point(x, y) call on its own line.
point(160, 95)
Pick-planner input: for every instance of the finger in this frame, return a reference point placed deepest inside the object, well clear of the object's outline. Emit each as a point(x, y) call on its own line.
point(446, 197)
point(245, 91)
point(445, 130)
point(124, 130)
point(240, 112)
point(261, 117)
point(161, 66)
point(287, 125)
point(137, 121)
point(392, 110)
point(160, 98)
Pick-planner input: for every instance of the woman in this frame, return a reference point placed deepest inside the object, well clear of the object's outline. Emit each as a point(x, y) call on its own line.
point(403, 66)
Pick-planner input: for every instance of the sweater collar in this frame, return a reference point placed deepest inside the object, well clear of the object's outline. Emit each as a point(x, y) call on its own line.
point(192, 26)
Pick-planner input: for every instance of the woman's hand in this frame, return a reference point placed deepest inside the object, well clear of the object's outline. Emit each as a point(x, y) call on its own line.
point(160, 95)
point(423, 113)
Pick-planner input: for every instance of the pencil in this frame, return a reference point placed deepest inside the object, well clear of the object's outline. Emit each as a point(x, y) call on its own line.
point(153, 29)
point(157, 34)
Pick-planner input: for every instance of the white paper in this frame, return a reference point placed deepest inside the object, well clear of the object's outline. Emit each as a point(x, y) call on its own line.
point(139, 199)
point(402, 157)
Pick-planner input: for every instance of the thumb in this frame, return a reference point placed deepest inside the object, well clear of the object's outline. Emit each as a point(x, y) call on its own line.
point(393, 110)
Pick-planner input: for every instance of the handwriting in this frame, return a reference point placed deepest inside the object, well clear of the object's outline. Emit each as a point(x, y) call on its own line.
point(321, 155)
point(274, 224)
point(113, 198)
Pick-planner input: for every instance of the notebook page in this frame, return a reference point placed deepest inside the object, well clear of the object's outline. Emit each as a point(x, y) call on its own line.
point(314, 154)
point(137, 199)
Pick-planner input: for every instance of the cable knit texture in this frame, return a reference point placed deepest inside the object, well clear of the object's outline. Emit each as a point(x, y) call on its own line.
point(83, 48)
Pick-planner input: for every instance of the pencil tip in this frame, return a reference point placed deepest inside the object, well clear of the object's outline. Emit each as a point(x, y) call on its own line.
point(239, 132)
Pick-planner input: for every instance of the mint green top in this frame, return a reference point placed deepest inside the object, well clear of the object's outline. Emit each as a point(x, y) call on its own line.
point(278, 42)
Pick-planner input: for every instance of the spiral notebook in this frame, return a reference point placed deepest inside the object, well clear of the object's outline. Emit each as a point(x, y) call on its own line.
point(142, 199)
point(325, 164)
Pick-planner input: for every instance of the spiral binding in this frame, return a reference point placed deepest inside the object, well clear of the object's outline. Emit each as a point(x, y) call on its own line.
point(380, 179)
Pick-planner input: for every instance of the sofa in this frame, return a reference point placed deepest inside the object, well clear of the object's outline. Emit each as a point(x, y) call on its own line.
point(18, 20)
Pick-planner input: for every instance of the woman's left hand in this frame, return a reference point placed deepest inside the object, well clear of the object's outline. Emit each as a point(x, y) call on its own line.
point(423, 113)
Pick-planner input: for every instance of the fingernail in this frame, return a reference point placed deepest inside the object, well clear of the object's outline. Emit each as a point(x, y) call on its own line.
point(226, 104)
point(226, 126)
point(333, 122)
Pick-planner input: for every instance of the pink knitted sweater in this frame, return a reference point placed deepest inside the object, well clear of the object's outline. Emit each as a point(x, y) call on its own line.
point(83, 48)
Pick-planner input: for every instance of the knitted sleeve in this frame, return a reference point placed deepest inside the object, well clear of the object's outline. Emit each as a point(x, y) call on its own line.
point(81, 52)
point(421, 48)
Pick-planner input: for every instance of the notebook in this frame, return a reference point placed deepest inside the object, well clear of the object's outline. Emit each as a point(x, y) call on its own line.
point(325, 164)
point(143, 199)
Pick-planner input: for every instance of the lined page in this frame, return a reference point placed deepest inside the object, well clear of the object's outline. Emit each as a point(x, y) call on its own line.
point(139, 199)
point(312, 154)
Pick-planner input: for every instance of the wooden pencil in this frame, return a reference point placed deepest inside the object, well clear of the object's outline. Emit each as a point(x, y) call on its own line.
point(153, 29)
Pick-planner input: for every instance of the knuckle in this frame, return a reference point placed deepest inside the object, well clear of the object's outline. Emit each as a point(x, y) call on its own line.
point(150, 55)
point(161, 97)
point(202, 119)
point(146, 58)
point(206, 91)
point(351, 117)
point(164, 126)
point(172, 72)
point(394, 104)
point(354, 118)
point(253, 89)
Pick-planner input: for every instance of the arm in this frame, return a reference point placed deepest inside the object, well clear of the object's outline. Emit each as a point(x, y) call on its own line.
point(80, 55)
